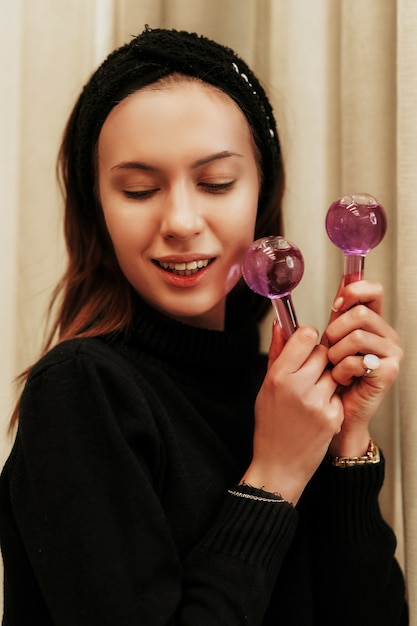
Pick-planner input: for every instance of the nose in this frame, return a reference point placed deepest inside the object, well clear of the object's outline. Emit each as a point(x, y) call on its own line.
point(181, 217)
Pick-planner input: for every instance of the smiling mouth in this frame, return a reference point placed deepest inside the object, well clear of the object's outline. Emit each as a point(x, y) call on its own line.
point(184, 269)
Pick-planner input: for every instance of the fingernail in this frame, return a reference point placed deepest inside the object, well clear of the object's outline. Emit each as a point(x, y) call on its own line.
point(310, 332)
point(337, 304)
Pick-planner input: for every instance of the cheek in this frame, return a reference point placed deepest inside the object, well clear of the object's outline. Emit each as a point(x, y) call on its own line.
point(122, 227)
point(118, 222)
point(250, 204)
point(241, 233)
point(115, 233)
point(243, 226)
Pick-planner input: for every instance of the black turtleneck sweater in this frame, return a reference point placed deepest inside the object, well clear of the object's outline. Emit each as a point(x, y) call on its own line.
point(115, 503)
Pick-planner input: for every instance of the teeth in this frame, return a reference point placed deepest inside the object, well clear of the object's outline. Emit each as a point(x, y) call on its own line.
point(187, 268)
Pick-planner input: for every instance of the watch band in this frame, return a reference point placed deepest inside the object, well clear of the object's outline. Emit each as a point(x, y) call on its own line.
point(372, 456)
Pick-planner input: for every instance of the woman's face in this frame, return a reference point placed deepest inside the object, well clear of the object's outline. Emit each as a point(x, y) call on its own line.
point(178, 184)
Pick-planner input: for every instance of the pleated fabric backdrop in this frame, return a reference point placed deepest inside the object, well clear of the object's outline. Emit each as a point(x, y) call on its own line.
point(342, 76)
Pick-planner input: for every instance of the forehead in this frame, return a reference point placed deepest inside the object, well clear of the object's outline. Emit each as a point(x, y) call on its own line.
point(177, 85)
point(177, 111)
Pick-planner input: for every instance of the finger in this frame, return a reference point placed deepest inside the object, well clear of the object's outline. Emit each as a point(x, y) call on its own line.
point(337, 310)
point(356, 368)
point(327, 384)
point(364, 292)
point(338, 302)
point(361, 342)
point(277, 343)
point(298, 348)
point(358, 325)
point(301, 351)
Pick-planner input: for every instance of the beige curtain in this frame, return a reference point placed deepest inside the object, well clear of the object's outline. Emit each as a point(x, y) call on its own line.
point(342, 77)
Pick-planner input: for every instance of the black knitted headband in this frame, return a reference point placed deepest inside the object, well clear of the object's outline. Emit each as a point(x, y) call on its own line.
point(150, 56)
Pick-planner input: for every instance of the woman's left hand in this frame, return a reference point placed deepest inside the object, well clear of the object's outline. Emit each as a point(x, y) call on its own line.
point(356, 327)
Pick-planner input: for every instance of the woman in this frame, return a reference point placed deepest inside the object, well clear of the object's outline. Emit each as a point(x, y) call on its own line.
point(165, 472)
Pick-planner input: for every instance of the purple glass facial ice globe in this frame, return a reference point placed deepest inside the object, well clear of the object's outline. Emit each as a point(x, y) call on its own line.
point(356, 224)
point(272, 267)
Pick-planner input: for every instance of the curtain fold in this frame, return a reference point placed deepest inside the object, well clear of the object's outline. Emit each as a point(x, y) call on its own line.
point(341, 75)
point(10, 53)
point(405, 274)
point(368, 164)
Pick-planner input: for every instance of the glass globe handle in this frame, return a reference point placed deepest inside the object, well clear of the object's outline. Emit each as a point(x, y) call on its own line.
point(354, 267)
point(285, 314)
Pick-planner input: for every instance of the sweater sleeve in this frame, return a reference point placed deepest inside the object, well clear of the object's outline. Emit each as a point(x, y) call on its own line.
point(357, 575)
point(85, 504)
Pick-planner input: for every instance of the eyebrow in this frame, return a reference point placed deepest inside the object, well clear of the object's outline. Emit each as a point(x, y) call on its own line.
point(139, 165)
point(225, 154)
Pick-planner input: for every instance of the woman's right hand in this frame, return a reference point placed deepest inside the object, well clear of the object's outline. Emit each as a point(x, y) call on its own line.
point(297, 413)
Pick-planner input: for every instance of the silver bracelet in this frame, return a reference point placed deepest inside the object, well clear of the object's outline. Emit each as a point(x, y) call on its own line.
point(250, 496)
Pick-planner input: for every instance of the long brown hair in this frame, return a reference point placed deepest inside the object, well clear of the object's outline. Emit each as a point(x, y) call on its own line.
point(93, 297)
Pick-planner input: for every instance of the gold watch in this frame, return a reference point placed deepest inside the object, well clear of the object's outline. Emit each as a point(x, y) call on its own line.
point(372, 456)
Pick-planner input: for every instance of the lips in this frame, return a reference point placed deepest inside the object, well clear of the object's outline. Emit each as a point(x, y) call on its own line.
point(184, 268)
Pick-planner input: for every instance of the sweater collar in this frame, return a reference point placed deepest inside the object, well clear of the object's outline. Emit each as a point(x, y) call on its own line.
point(181, 344)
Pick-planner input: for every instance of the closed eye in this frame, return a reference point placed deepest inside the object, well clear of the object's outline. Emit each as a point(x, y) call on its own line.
point(140, 195)
point(218, 187)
